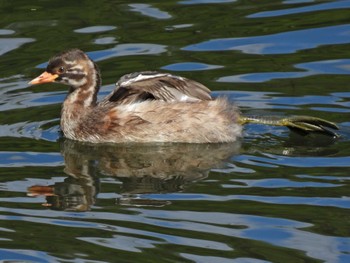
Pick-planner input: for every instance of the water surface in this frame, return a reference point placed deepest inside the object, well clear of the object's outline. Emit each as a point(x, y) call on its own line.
point(274, 196)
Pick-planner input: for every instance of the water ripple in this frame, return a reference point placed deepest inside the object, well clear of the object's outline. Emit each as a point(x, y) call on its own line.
point(280, 43)
point(325, 67)
point(200, 2)
point(9, 44)
point(304, 9)
point(279, 232)
point(211, 259)
point(275, 197)
point(343, 202)
point(20, 255)
point(22, 159)
point(190, 66)
point(275, 161)
point(276, 183)
point(120, 50)
point(94, 29)
point(148, 10)
point(32, 130)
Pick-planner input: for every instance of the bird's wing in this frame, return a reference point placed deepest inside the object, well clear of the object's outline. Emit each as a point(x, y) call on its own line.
point(148, 85)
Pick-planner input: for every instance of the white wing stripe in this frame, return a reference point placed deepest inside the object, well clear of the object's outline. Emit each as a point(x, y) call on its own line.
point(139, 78)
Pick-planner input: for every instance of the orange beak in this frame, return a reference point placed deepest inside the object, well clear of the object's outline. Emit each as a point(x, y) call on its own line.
point(45, 77)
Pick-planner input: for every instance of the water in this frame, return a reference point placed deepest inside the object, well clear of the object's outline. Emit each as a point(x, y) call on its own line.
point(275, 196)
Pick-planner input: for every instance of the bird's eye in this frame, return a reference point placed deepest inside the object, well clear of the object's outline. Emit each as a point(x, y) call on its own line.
point(61, 70)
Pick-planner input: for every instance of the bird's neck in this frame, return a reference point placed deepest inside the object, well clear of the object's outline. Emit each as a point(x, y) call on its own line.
point(80, 102)
point(85, 96)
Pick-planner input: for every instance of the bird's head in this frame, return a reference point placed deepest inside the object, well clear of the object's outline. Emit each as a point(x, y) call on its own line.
point(72, 67)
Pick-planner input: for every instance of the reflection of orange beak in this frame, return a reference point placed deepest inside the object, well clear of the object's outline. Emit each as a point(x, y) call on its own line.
point(37, 190)
point(45, 77)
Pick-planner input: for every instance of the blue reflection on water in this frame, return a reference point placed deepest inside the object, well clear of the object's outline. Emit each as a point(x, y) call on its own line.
point(290, 200)
point(295, 161)
point(327, 67)
point(190, 66)
point(150, 11)
point(94, 29)
point(304, 9)
point(199, 2)
point(279, 43)
point(276, 183)
point(17, 255)
point(21, 159)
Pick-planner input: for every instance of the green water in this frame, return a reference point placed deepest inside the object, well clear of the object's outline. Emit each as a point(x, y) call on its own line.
point(275, 196)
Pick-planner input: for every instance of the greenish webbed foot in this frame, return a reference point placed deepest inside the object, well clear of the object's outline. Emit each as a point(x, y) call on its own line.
point(301, 124)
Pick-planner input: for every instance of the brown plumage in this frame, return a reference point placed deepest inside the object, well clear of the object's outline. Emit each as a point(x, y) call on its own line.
point(148, 107)
point(144, 107)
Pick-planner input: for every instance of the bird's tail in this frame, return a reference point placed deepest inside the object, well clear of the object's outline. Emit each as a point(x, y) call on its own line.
point(300, 124)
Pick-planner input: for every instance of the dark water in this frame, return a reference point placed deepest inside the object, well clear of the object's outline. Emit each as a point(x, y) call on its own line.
point(273, 197)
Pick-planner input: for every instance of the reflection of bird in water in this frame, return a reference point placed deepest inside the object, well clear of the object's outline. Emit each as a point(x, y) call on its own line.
point(73, 194)
point(142, 169)
point(150, 107)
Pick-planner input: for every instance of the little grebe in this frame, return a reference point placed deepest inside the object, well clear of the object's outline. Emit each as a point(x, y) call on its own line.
point(150, 107)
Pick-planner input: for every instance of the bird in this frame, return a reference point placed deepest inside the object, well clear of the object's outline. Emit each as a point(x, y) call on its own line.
point(151, 107)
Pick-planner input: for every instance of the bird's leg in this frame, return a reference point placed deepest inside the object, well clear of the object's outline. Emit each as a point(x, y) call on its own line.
point(302, 124)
